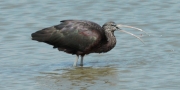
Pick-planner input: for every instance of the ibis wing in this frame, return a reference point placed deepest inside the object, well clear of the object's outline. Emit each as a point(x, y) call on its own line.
point(71, 35)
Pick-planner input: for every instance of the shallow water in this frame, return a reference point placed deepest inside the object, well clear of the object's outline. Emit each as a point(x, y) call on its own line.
point(30, 65)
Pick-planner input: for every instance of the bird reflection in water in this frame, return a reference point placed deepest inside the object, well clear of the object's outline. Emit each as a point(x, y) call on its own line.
point(80, 77)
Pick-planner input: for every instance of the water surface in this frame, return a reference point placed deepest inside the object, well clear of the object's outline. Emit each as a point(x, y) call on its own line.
point(30, 65)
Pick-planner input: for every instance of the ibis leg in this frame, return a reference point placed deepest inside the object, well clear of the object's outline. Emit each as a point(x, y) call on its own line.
point(76, 60)
point(82, 56)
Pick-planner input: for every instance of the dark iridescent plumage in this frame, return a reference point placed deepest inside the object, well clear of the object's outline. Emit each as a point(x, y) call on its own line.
point(79, 37)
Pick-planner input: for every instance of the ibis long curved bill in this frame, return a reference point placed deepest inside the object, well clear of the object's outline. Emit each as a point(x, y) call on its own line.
point(126, 26)
point(120, 25)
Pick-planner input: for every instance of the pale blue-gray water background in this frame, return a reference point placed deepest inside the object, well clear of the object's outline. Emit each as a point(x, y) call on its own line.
point(30, 65)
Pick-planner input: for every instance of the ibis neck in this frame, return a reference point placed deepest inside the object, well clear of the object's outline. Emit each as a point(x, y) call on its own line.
point(108, 44)
point(111, 41)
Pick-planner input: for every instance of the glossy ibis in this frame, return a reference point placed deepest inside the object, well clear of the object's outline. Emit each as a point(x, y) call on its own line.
point(81, 37)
